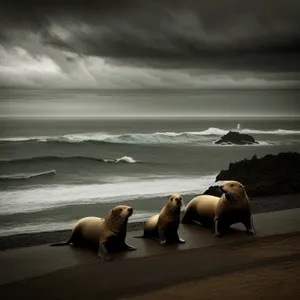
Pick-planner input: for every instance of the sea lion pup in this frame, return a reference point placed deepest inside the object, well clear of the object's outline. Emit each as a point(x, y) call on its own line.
point(104, 233)
point(232, 207)
point(164, 225)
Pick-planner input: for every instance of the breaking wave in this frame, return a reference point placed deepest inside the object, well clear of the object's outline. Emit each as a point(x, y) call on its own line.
point(39, 159)
point(146, 138)
point(276, 132)
point(27, 176)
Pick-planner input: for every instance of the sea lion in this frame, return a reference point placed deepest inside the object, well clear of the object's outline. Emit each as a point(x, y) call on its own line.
point(104, 233)
point(232, 207)
point(164, 225)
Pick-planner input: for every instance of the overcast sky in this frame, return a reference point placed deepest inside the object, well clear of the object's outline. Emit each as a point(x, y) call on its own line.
point(150, 44)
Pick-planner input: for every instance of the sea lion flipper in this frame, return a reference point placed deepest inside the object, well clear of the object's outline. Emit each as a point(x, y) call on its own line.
point(128, 247)
point(63, 243)
point(251, 231)
point(216, 228)
point(249, 225)
point(178, 239)
point(181, 241)
point(60, 244)
point(196, 222)
point(162, 238)
point(103, 253)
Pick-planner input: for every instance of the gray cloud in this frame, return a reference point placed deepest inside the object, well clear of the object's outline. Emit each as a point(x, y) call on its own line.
point(163, 31)
point(259, 40)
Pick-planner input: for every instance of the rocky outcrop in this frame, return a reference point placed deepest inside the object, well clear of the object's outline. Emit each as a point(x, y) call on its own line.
point(269, 175)
point(236, 138)
point(213, 191)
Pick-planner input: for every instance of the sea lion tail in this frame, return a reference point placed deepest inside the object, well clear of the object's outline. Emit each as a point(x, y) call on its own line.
point(62, 243)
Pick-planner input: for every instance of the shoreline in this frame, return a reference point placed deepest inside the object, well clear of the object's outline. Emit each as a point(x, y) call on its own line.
point(45, 237)
point(258, 205)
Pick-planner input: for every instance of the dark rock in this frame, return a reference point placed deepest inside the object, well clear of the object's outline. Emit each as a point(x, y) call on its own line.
point(269, 175)
point(213, 191)
point(236, 138)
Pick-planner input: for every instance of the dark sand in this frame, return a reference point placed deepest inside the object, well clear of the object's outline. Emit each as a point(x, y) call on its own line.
point(276, 280)
point(44, 272)
point(268, 266)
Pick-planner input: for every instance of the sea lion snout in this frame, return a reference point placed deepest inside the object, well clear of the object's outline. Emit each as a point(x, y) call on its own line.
point(128, 211)
point(233, 189)
point(123, 211)
point(228, 194)
point(179, 202)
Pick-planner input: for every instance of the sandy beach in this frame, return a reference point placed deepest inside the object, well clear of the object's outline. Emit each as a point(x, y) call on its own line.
point(275, 280)
point(264, 268)
point(175, 272)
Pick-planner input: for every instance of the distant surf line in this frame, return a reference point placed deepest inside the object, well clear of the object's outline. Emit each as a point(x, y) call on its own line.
point(145, 138)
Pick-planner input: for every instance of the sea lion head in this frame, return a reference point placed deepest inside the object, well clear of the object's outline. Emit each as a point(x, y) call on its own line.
point(175, 202)
point(120, 214)
point(233, 190)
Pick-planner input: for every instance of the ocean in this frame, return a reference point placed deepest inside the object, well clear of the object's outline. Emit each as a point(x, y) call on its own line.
point(55, 171)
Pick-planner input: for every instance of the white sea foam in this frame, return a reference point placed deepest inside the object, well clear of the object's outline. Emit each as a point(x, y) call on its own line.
point(124, 159)
point(276, 132)
point(48, 197)
point(147, 138)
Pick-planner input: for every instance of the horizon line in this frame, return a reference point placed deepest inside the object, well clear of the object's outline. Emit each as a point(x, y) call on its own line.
point(148, 89)
point(144, 116)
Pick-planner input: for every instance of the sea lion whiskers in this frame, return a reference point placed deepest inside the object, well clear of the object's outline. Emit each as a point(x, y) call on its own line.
point(115, 219)
point(121, 220)
point(118, 220)
point(232, 196)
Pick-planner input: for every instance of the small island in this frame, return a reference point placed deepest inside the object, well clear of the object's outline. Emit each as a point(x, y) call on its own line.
point(236, 138)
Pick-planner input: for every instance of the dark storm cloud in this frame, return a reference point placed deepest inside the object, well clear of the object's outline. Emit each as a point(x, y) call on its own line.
point(234, 34)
